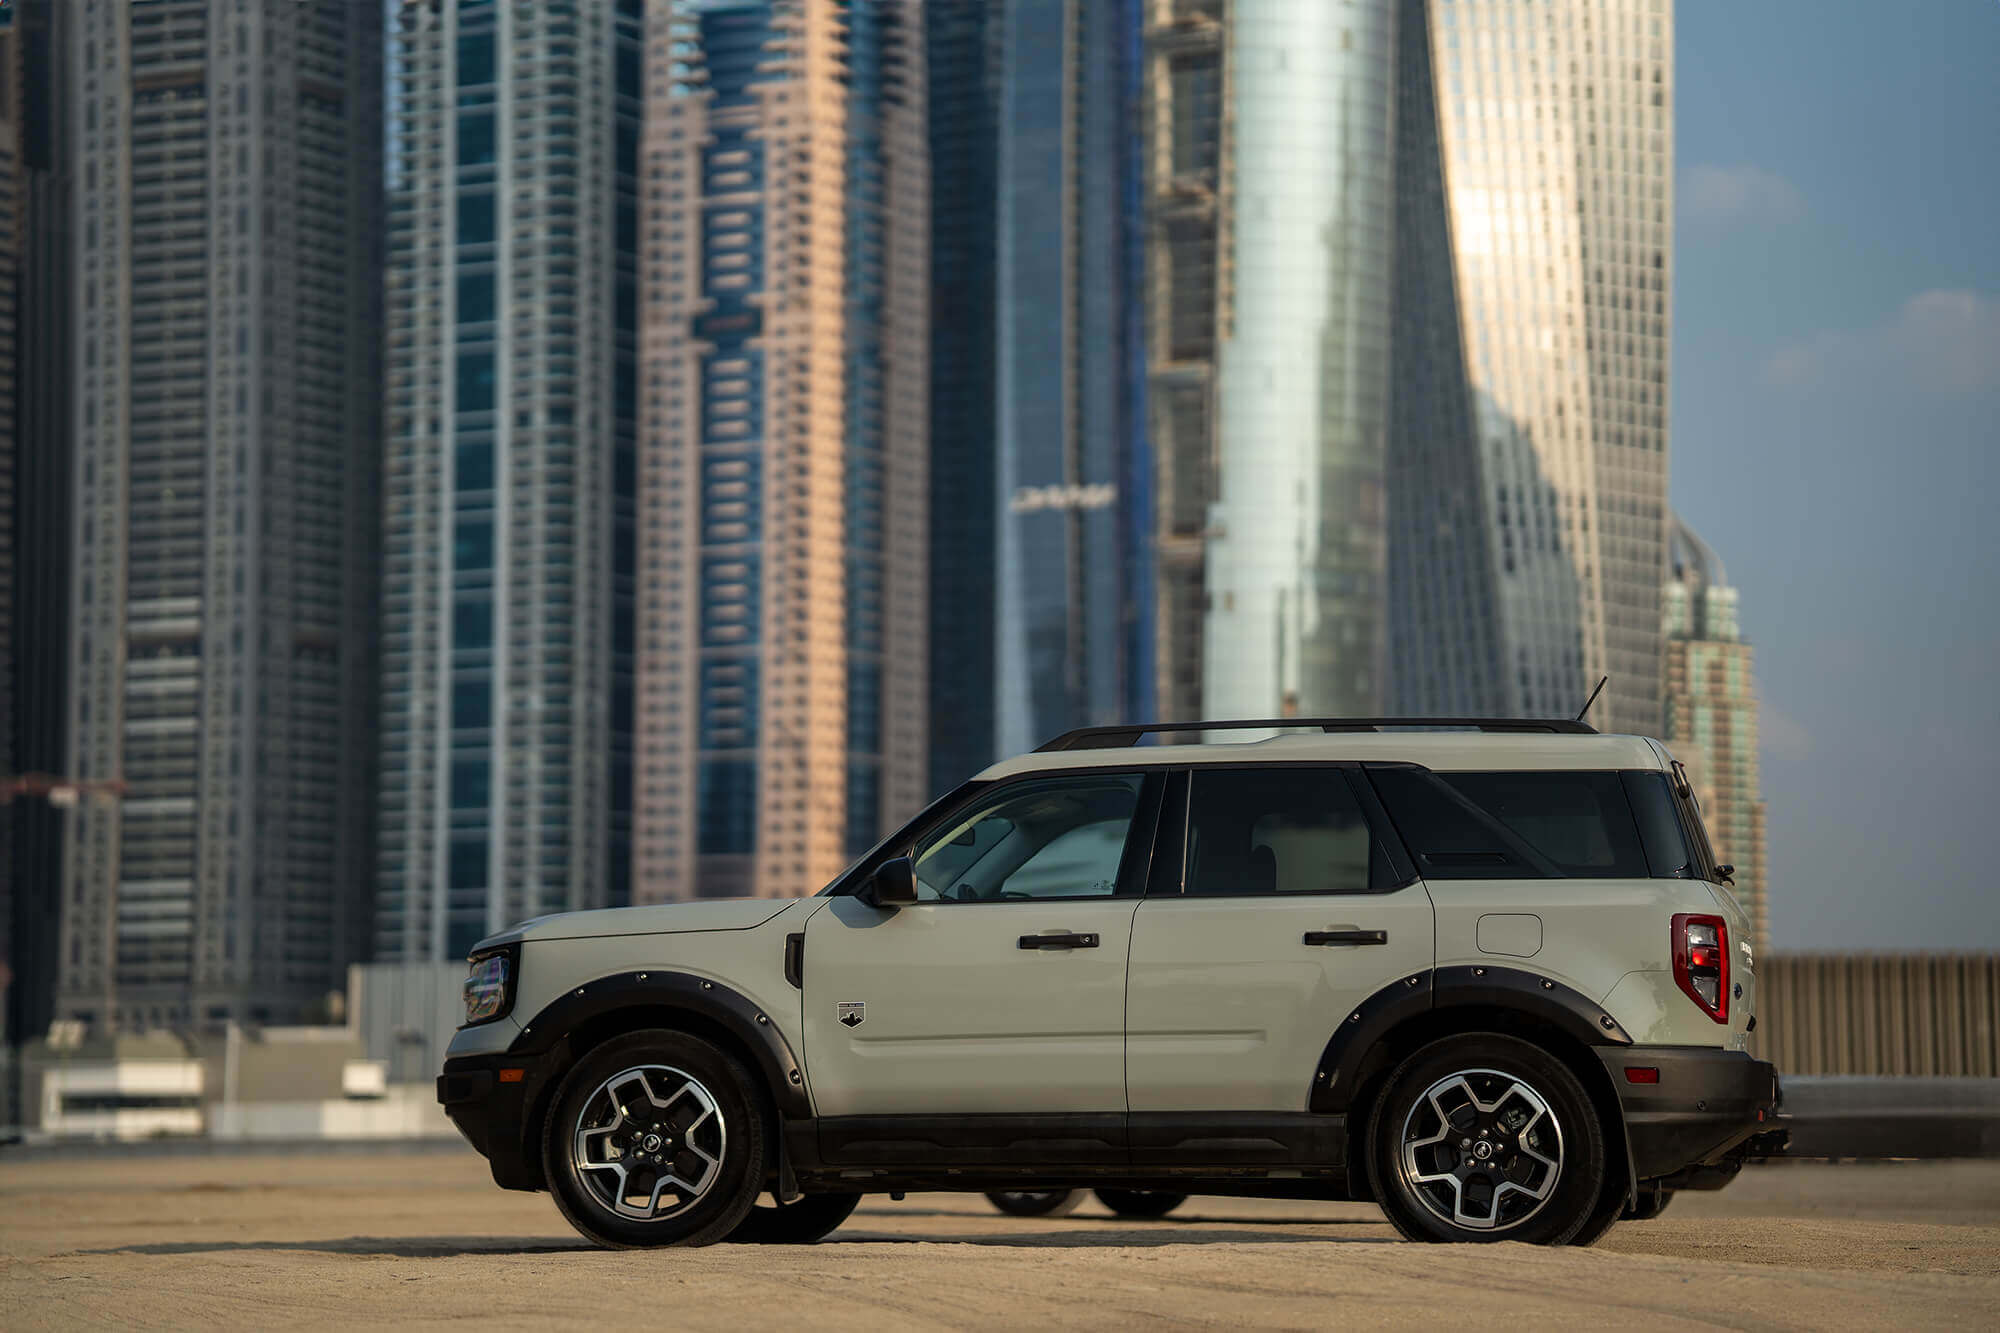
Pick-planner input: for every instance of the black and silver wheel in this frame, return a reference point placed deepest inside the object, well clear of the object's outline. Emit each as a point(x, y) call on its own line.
point(804, 1220)
point(1035, 1203)
point(655, 1139)
point(1140, 1203)
point(1484, 1137)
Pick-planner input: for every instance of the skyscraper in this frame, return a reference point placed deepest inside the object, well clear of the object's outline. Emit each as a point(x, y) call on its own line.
point(1410, 263)
point(1070, 423)
point(1711, 714)
point(513, 320)
point(962, 57)
point(782, 644)
point(13, 209)
point(41, 451)
point(1556, 138)
point(224, 328)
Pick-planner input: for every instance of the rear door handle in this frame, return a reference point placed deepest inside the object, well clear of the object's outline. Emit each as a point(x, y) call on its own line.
point(1347, 937)
point(1085, 941)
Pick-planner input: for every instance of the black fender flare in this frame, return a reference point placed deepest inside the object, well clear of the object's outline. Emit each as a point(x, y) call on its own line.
point(730, 1010)
point(1470, 986)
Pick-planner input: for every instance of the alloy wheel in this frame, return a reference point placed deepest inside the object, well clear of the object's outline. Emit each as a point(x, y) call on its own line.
point(1481, 1149)
point(649, 1143)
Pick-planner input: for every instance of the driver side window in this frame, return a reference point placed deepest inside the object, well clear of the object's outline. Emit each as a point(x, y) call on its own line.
point(1047, 838)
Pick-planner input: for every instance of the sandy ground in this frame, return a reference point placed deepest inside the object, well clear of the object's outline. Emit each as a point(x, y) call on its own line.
point(325, 1241)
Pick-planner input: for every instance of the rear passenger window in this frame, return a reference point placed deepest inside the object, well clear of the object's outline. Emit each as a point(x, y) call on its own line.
point(1279, 831)
point(1515, 825)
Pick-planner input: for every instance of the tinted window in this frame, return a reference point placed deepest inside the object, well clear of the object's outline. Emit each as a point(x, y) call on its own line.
point(1279, 830)
point(1447, 835)
point(1652, 801)
point(1580, 821)
point(1513, 825)
point(1052, 838)
point(1699, 848)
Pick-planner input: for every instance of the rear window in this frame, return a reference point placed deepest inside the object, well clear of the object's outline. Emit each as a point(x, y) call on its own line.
point(1515, 825)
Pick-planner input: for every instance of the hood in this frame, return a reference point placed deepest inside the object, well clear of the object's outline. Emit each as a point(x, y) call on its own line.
point(655, 919)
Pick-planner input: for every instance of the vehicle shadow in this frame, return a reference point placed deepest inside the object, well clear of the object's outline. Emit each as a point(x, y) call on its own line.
point(1151, 1236)
point(1189, 1231)
point(1177, 1220)
point(389, 1247)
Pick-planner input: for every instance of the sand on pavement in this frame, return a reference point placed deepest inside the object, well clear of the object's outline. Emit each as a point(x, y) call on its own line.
point(315, 1241)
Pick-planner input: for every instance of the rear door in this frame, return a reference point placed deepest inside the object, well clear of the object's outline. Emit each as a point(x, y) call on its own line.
point(1282, 911)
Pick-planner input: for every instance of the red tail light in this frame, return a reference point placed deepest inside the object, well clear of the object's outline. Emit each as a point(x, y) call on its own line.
point(1701, 962)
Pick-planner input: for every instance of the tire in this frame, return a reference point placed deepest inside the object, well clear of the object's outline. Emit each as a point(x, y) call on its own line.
point(1035, 1203)
point(1651, 1203)
point(1541, 1180)
point(801, 1222)
point(1140, 1203)
point(602, 1150)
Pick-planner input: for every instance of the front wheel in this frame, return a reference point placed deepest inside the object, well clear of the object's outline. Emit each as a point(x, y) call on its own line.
point(1484, 1137)
point(801, 1222)
point(654, 1139)
point(1140, 1203)
point(1035, 1203)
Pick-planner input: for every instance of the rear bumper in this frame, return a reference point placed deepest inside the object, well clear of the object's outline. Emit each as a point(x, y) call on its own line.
point(499, 1111)
point(1705, 1103)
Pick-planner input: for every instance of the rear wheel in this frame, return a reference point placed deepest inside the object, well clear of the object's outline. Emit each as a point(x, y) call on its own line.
point(654, 1139)
point(1484, 1137)
point(800, 1222)
point(1035, 1203)
point(1140, 1203)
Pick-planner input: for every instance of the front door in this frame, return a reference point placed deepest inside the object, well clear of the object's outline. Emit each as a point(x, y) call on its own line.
point(1289, 913)
point(1002, 990)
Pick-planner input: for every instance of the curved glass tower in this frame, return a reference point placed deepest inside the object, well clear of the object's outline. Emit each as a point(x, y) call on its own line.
point(1297, 558)
point(1408, 265)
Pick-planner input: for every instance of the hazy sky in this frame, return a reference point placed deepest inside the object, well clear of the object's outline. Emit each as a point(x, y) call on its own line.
point(1836, 412)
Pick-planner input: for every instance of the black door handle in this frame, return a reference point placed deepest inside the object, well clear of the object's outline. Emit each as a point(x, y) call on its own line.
point(1085, 941)
point(1347, 937)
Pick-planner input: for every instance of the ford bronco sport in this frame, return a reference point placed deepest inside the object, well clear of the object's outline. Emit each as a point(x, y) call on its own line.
point(1487, 975)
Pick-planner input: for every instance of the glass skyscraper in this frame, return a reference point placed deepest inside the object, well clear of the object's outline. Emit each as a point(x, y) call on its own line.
point(225, 408)
point(785, 476)
point(511, 474)
point(1711, 718)
point(962, 56)
point(1410, 262)
point(1072, 475)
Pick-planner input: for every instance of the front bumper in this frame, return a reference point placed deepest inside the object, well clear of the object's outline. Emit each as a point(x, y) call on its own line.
point(497, 1102)
point(1705, 1103)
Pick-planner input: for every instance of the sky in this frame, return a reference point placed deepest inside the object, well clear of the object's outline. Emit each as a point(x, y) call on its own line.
point(1835, 423)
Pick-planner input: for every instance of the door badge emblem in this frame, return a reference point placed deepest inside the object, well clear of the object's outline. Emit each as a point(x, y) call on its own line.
point(853, 1013)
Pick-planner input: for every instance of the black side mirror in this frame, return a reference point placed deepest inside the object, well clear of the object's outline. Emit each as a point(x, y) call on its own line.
point(1727, 874)
point(893, 885)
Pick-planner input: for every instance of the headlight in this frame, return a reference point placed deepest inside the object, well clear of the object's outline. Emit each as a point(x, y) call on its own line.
point(489, 988)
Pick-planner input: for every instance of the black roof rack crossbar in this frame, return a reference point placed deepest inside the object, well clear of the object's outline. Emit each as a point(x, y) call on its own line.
point(1109, 738)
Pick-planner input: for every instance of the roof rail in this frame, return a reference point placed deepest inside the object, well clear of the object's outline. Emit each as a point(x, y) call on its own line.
point(1107, 738)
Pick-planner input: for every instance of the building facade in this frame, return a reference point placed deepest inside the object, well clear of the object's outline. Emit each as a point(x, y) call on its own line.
point(511, 469)
point(1072, 476)
point(1409, 266)
point(39, 444)
point(784, 472)
point(223, 338)
point(1711, 715)
point(962, 55)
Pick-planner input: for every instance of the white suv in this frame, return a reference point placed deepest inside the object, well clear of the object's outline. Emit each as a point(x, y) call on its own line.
point(1486, 975)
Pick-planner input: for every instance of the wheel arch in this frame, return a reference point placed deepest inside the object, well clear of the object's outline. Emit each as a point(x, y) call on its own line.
point(1407, 1015)
point(585, 1017)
